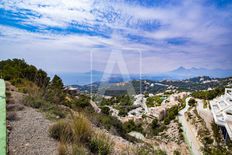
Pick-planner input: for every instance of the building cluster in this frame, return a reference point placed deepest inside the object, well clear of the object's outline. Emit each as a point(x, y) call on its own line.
point(222, 112)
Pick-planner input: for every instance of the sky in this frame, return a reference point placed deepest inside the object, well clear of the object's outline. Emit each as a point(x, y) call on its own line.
point(63, 36)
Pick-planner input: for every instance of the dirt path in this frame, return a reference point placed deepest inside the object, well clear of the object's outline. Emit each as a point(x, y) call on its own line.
point(29, 134)
point(29, 130)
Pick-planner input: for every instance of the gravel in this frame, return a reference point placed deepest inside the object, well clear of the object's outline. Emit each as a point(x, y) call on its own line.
point(29, 134)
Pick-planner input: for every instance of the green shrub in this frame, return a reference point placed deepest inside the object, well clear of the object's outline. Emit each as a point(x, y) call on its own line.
point(82, 101)
point(101, 144)
point(105, 110)
point(154, 101)
point(58, 112)
point(208, 95)
point(208, 140)
point(192, 102)
point(142, 151)
point(34, 102)
point(159, 152)
point(131, 126)
point(154, 123)
point(176, 152)
point(123, 112)
point(53, 111)
point(147, 150)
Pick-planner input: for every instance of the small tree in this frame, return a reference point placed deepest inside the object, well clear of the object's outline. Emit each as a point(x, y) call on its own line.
point(105, 110)
point(154, 123)
point(192, 102)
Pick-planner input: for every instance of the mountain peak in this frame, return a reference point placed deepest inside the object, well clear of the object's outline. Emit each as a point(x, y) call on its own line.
point(180, 68)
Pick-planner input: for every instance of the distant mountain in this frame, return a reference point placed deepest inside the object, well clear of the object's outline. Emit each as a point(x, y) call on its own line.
point(183, 73)
point(177, 74)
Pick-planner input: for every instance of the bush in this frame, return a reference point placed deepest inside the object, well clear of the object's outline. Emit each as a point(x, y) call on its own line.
point(105, 110)
point(61, 131)
point(58, 112)
point(147, 150)
point(78, 150)
point(52, 110)
point(82, 101)
point(157, 130)
point(34, 102)
point(154, 123)
point(82, 128)
point(176, 152)
point(208, 140)
point(154, 101)
point(123, 112)
point(192, 102)
point(159, 152)
point(208, 95)
point(142, 151)
point(131, 126)
point(101, 144)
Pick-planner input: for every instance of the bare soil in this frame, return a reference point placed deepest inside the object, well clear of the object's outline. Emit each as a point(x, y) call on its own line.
point(28, 134)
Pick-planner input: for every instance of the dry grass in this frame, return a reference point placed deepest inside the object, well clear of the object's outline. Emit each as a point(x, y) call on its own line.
point(78, 150)
point(61, 131)
point(62, 149)
point(82, 128)
point(101, 144)
point(78, 134)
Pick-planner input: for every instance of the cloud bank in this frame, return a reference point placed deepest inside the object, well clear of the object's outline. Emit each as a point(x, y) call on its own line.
point(59, 35)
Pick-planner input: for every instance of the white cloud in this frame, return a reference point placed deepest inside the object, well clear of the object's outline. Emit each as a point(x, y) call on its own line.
point(206, 28)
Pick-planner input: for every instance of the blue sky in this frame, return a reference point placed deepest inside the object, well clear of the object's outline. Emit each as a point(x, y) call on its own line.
point(58, 35)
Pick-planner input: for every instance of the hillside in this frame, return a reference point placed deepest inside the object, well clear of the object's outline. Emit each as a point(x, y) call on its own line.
point(43, 112)
point(68, 119)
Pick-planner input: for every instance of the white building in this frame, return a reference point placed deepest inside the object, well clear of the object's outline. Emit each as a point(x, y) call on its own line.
point(222, 111)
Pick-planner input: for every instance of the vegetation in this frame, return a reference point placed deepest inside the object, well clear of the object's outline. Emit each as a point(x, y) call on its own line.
point(82, 101)
point(17, 70)
point(101, 144)
point(77, 132)
point(157, 127)
point(147, 150)
point(52, 111)
point(124, 104)
point(216, 132)
point(62, 149)
point(176, 152)
point(192, 102)
point(105, 110)
point(208, 95)
point(205, 104)
point(132, 126)
point(154, 101)
point(62, 131)
point(171, 114)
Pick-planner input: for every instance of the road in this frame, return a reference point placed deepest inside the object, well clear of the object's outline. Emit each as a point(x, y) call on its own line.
point(189, 134)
